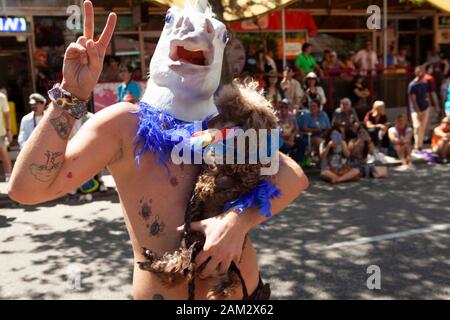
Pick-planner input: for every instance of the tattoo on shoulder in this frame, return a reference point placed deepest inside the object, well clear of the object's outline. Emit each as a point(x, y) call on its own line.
point(62, 125)
point(158, 297)
point(44, 172)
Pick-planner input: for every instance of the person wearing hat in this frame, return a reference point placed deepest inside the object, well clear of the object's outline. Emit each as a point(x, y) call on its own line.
point(29, 122)
point(314, 92)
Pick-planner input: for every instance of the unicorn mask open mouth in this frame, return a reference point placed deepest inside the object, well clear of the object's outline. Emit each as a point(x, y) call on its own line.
point(191, 54)
point(192, 57)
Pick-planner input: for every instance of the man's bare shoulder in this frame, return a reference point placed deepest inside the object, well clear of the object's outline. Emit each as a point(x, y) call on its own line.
point(120, 123)
point(116, 113)
point(118, 119)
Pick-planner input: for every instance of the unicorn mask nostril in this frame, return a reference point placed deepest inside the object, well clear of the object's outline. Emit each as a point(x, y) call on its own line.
point(209, 28)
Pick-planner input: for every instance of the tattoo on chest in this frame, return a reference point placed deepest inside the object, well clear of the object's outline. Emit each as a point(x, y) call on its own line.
point(158, 297)
point(62, 125)
point(156, 229)
point(45, 172)
point(145, 210)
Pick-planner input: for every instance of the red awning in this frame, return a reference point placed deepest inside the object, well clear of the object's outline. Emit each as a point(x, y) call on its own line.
point(295, 20)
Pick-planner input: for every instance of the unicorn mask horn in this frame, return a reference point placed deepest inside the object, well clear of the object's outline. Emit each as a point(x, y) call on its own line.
point(187, 64)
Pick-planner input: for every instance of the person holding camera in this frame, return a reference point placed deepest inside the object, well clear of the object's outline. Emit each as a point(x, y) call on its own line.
point(334, 155)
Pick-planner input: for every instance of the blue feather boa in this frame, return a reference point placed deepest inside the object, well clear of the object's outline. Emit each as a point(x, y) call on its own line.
point(259, 197)
point(157, 134)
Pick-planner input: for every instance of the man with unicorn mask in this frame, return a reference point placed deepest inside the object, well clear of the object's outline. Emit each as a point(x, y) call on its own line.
point(185, 73)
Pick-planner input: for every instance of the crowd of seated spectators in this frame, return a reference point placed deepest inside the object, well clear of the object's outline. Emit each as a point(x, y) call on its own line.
point(352, 140)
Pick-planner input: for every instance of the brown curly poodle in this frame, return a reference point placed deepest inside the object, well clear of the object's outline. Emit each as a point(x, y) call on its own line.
point(241, 105)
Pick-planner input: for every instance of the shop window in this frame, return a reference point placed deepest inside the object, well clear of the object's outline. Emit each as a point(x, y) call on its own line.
point(426, 24)
point(124, 23)
point(156, 22)
point(340, 22)
point(407, 24)
point(49, 54)
point(124, 49)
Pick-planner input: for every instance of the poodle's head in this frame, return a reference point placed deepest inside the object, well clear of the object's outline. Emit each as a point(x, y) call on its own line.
point(242, 104)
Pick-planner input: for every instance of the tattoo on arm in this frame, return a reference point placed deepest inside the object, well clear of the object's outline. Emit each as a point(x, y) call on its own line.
point(62, 125)
point(44, 172)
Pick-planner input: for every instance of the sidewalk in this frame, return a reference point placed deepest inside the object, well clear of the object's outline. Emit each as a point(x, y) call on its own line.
point(6, 202)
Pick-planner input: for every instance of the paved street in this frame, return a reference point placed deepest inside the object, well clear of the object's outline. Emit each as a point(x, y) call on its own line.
point(319, 248)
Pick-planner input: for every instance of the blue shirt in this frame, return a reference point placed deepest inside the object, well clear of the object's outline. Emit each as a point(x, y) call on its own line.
point(307, 121)
point(420, 89)
point(132, 88)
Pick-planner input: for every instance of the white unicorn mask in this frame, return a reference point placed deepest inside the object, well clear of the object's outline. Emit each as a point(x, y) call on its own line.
point(186, 67)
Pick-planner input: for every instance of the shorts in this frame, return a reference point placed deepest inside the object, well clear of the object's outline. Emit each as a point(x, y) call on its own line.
point(340, 171)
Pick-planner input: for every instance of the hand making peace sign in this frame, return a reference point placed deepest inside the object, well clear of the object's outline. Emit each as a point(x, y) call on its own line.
point(83, 61)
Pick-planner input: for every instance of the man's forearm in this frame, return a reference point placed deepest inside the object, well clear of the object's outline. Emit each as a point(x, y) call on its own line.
point(292, 182)
point(41, 159)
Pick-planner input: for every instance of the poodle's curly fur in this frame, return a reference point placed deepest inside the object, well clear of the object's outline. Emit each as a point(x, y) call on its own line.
point(243, 105)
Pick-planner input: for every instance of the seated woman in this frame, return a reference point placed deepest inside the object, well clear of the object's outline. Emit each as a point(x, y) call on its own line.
point(313, 91)
point(346, 118)
point(360, 148)
point(400, 137)
point(288, 126)
point(441, 140)
point(315, 122)
point(334, 155)
point(377, 124)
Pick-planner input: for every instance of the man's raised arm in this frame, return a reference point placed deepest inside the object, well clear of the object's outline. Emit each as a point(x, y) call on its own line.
point(38, 172)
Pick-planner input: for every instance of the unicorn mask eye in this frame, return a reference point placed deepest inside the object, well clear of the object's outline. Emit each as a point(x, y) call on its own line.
point(169, 18)
point(225, 37)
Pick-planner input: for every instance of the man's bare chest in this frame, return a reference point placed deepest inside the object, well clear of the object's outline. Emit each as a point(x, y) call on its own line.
point(154, 201)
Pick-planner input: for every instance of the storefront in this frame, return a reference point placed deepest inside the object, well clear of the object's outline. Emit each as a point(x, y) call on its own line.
point(16, 47)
